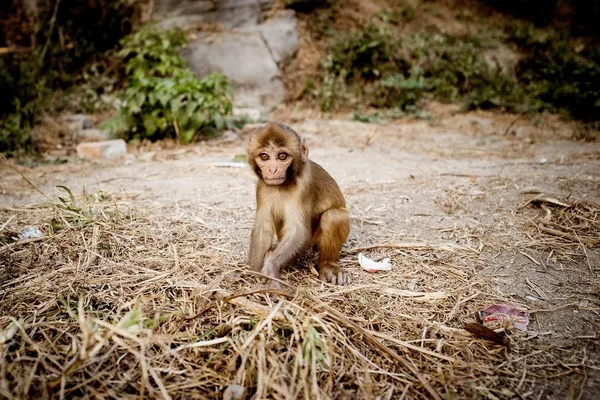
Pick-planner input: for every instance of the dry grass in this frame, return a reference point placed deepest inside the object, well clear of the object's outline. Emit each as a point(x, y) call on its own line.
point(129, 300)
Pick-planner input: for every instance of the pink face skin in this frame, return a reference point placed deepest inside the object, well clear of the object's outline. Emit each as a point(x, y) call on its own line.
point(273, 163)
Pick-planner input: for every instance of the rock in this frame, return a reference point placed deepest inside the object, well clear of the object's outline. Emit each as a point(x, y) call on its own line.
point(281, 35)
point(246, 51)
point(149, 156)
point(182, 7)
point(107, 150)
point(226, 137)
point(246, 61)
point(227, 13)
point(77, 122)
point(92, 135)
point(249, 128)
point(503, 58)
point(252, 114)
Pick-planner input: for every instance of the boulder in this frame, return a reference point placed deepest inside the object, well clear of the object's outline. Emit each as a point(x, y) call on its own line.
point(107, 150)
point(281, 35)
point(92, 135)
point(246, 61)
point(77, 122)
point(503, 58)
point(246, 51)
point(227, 13)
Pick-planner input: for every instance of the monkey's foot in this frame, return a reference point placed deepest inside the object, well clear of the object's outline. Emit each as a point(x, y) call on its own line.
point(332, 273)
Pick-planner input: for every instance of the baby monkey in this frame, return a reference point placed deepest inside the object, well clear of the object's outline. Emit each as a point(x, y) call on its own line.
point(298, 202)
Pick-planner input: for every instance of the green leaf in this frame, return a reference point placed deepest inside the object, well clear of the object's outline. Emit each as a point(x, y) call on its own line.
point(219, 121)
point(71, 196)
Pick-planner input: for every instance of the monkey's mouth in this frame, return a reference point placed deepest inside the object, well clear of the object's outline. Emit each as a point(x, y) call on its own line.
point(274, 181)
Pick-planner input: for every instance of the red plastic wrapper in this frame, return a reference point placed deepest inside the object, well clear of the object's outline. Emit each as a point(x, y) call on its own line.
point(504, 316)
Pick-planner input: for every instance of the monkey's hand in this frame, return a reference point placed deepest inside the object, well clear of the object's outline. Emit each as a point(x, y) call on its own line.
point(257, 262)
point(271, 269)
point(332, 273)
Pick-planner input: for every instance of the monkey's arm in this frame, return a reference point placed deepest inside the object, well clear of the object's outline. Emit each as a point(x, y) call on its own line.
point(261, 239)
point(294, 241)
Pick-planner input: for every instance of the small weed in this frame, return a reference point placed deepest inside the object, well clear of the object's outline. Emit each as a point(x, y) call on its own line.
point(399, 91)
point(364, 54)
point(368, 118)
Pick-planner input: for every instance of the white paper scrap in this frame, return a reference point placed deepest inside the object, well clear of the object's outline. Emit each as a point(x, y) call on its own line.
point(374, 266)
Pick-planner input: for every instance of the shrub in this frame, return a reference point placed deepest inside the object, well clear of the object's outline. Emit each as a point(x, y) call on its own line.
point(400, 92)
point(385, 72)
point(163, 98)
point(365, 54)
point(23, 93)
point(48, 47)
point(561, 77)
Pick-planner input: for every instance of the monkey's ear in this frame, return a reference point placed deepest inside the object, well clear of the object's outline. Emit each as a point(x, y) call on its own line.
point(303, 150)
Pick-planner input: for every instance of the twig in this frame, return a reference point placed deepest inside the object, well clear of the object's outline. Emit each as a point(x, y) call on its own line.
point(531, 258)
point(370, 139)
point(564, 235)
point(512, 124)
point(203, 343)
point(20, 242)
point(412, 346)
point(50, 30)
point(408, 245)
point(24, 177)
point(262, 324)
point(539, 291)
point(553, 309)
point(6, 223)
point(260, 290)
point(587, 258)
point(236, 299)
point(548, 200)
point(7, 50)
point(371, 338)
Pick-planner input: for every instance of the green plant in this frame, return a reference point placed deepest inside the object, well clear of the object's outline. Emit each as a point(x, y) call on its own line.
point(364, 54)
point(399, 91)
point(24, 94)
point(370, 66)
point(332, 89)
point(563, 78)
point(163, 98)
point(46, 51)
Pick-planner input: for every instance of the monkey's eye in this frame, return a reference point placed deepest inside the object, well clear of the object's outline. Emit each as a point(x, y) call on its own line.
point(264, 156)
point(282, 156)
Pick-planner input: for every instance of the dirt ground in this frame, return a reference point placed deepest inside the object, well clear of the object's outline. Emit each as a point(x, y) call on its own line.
point(459, 179)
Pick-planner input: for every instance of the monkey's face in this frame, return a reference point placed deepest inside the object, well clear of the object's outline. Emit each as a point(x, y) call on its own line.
point(274, 162)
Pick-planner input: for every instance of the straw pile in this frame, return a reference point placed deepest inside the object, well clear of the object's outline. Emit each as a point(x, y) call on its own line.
point(128, 300)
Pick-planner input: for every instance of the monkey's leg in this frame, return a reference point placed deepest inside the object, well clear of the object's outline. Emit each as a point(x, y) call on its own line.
point(334, 227)
point(260, 242)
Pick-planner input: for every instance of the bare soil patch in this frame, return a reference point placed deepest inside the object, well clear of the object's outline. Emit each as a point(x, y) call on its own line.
point(140, 287)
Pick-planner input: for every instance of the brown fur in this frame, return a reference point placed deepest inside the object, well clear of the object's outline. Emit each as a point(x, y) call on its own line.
point(302, 206)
